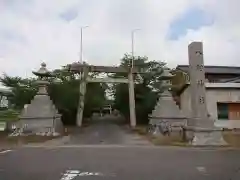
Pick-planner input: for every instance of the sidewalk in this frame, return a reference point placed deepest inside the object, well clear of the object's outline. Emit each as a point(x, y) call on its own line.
point(5, 146)
point(54, 142)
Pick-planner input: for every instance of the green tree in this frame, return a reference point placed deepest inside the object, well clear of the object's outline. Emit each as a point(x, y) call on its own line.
point(65, 95)
point(147, 87)
point(63, 90)
point(23, 90)
point(95, 97)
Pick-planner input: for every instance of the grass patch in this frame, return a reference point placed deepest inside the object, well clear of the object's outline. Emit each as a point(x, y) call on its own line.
point(141, 130)
point(232, 138)
point(9, 115)
point(30, 139)
point(173, 140)
point(19, 140)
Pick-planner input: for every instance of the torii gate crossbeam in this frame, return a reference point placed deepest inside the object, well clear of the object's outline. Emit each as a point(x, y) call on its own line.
point(85, 69)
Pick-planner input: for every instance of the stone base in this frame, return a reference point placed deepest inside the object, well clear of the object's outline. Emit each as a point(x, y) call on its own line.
point(55, 134)
point(48, 134)
point(210, 138)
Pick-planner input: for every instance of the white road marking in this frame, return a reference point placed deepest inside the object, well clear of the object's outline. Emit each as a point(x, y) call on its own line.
point(202, 170)
point(71, 174)
point(90, 174)
point(6, 151)
point(73, 171)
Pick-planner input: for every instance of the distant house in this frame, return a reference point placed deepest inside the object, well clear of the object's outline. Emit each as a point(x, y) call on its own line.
point(217, 73)
point(222, 94)
point(4, 94)
point(4, 104)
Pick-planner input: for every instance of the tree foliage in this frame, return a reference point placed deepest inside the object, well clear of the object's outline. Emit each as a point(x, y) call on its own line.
point(23, 90)
point(147, 87)
point(63, 90)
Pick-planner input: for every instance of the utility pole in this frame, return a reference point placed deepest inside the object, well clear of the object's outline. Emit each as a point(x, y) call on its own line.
point(132, 36)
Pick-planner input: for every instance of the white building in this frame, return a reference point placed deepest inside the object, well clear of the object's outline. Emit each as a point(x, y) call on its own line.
point(223, 103)
point(222, 96)
point(4, 92)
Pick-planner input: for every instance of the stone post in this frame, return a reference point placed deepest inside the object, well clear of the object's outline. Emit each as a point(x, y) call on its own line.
point(131, 100)
point(197, 86)
point(202, 127)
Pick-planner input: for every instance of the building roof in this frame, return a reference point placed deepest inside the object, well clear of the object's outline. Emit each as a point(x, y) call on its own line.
point(214, 69)
point(230, 80)
point(222, 85)
point(214, 86)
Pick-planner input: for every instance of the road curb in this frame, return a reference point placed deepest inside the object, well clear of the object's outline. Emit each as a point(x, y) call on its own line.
point(133, 146)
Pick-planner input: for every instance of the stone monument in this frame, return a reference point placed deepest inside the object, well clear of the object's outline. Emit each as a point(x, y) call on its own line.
point(166, 116)
point(40, 117)
point(200, 125)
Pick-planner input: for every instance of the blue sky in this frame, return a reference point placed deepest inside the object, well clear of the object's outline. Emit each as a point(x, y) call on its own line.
point(193, 19)
point(32, 31)
point(69, 15)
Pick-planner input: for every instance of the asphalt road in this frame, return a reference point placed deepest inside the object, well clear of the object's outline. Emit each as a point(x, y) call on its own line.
point(119, 163)
point(106, 150)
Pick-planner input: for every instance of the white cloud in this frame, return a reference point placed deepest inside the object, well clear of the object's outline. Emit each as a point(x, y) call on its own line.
point(43, 36)
point(221, 40)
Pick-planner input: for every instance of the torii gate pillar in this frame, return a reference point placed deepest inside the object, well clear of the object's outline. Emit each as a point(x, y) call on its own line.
point(84, 69)
point(82, 89)
point(131, 100)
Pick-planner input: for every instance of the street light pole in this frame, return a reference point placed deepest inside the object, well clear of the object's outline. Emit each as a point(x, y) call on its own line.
point(81, 44)
point(133, 32)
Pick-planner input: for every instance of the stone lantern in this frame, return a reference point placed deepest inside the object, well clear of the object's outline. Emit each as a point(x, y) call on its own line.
point(41, 117)
point(166, 115)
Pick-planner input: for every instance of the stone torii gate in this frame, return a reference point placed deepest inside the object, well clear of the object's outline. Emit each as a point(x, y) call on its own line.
point(84, 69)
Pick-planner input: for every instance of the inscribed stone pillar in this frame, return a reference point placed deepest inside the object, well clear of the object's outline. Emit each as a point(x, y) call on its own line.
point(197, 81)
point(204, 132)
